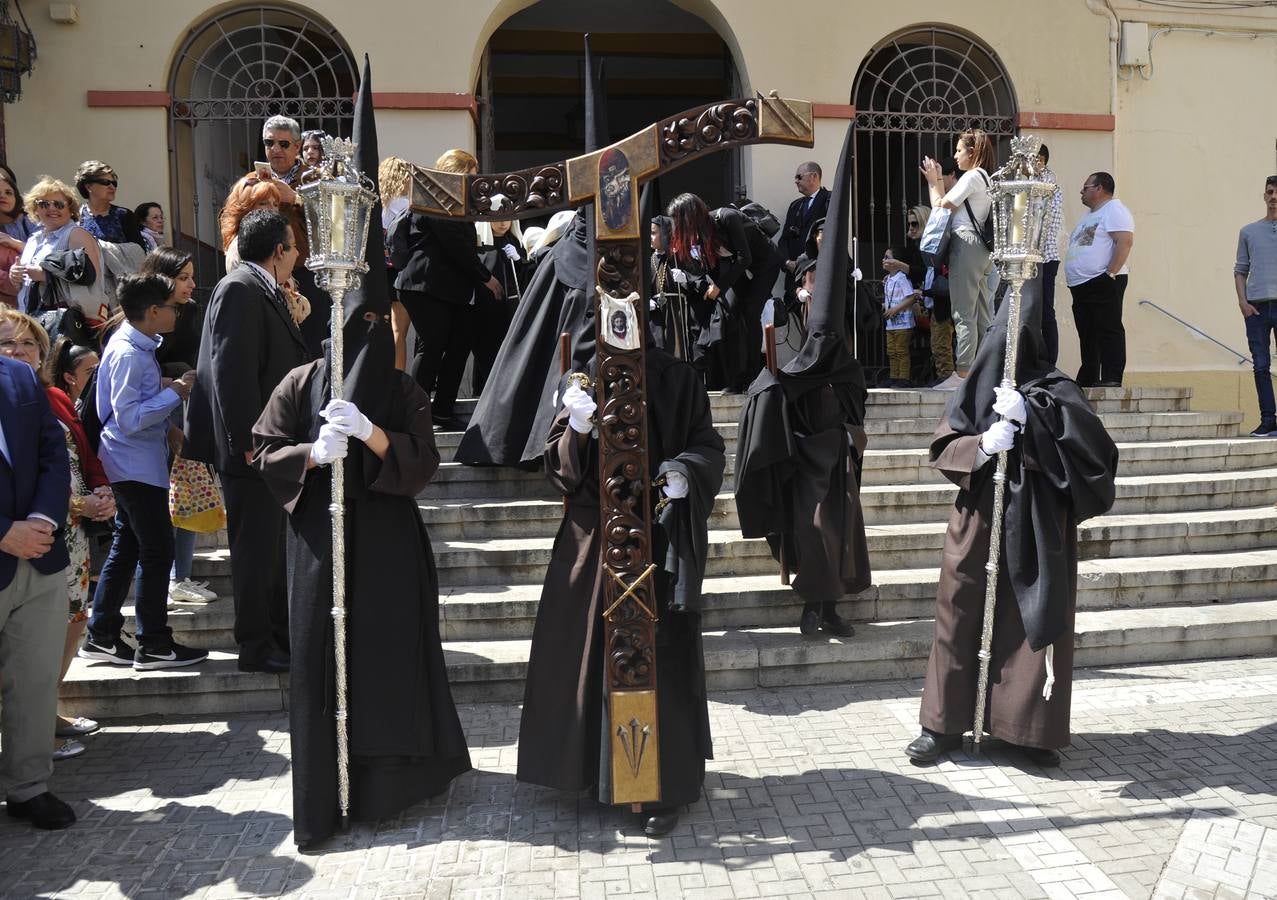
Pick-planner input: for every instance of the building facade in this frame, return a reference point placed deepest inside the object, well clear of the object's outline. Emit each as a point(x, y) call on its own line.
point(1173, 98)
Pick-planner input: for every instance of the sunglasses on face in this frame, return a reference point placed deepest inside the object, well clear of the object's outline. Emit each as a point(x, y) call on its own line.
point(283, 145)
point(105, 182)
point(45, 204)
point(911, 224)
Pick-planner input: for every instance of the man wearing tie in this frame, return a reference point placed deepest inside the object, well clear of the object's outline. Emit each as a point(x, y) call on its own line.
point(35, 487)
point(812, 205)
point(248, 345)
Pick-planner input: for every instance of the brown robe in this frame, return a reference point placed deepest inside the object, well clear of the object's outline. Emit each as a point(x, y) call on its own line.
point(406, 742)
point(1016, 711)
point(562, 734)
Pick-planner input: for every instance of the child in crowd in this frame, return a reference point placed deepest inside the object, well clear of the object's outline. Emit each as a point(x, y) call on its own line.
point(898, 297)
point(134, 410)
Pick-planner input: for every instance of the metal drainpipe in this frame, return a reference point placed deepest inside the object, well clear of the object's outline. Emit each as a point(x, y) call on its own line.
point(1102, 8)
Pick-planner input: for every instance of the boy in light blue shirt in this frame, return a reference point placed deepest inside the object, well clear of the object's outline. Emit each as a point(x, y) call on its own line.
point(134, 406)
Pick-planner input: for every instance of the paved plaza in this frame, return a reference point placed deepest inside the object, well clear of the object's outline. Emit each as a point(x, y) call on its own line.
point(1169, 790)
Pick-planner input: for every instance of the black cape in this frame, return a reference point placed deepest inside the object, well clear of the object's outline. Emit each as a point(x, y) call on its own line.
point(514, 412)
point(1063, 458)
point(800, 452)
point(562, 732)
point(406, 742)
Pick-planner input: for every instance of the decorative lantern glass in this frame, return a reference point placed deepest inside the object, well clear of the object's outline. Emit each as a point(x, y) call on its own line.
point(339, 201)
point(1021, 204)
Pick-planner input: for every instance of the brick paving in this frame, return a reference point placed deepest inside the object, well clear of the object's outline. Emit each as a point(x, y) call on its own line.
point(1169, 790)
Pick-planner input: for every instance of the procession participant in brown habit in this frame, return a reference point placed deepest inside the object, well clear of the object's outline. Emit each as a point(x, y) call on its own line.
point(1061, 465)
point(802, 442)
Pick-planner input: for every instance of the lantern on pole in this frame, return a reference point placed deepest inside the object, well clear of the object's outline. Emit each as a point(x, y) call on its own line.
point(1021, 201)
point(339, 202)
point(17, 52)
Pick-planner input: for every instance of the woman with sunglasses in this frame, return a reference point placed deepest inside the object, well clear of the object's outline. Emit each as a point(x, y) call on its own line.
point(97, 184)
point(51, 203)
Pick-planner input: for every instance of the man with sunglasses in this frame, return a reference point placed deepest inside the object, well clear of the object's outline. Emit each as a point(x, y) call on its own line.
point(282, 144)
point(811, 205)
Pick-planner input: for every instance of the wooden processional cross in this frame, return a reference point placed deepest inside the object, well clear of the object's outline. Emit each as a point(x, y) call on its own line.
point(612, 178)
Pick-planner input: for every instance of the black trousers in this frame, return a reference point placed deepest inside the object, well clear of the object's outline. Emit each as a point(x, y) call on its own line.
point(256, 525)
point(444, 337)
point(143, 534)
point(314, 327)
point(1097, 312)
point(1050, 330)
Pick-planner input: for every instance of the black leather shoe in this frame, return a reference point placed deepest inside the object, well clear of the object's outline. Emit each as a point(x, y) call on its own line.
point(661, 822)
point(43, 811)
point(810, 623)
point(1039, 756)
point(929, 746)
point(832, 623)
point(273, 663)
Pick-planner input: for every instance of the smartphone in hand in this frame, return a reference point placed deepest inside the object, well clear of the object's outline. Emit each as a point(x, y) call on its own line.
point(263, 171)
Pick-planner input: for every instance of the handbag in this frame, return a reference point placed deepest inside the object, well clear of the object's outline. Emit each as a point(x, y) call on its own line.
point(194, 499)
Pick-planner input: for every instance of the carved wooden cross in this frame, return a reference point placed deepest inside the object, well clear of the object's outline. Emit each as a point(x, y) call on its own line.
point(612, 178)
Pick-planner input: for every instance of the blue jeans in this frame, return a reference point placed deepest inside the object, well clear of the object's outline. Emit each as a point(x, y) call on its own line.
point(1259, 335)
point(143, 534)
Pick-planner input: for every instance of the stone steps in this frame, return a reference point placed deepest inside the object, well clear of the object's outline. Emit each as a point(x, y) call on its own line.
point(457, 482)
point(883, 504)
point(494, 670)
point(1183, 567)
point(1207, 569)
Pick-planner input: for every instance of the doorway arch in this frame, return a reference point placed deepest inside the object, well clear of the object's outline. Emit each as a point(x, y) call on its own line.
point(659, 60)
point(232, 72)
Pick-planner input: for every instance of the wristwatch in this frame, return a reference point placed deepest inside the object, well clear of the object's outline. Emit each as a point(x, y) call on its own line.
point(1110, 274)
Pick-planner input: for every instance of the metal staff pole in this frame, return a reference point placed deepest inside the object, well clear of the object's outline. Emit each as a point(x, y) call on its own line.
point(1019, 211)
point(339, 204)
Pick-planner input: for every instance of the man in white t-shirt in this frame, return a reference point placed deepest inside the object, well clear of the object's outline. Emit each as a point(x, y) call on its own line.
point(1095, 271)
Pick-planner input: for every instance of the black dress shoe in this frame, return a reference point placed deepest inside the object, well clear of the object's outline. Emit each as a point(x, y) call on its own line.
point(1039, 756)
point(810, 623)
point(448, 423)
point(661, 822)
point(832, 623)
point(43, 811)
point(273, 663)
point(929, 746)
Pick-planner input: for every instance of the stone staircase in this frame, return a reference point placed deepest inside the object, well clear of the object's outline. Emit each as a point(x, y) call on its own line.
point(1183, 567)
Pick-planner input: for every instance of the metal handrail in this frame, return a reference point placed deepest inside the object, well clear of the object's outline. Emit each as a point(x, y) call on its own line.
point(1242, 359)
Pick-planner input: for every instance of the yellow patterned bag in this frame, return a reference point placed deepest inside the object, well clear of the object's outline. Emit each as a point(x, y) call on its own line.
point(194, 499)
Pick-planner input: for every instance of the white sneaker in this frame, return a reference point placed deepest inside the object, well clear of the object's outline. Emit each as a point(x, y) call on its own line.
point(201, 587)
point(952, 383)
point(184, 592)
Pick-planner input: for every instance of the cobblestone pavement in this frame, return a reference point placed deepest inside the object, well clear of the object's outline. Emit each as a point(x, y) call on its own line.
point(1169, 790)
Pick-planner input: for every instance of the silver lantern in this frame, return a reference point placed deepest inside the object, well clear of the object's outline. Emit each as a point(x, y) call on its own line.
point(1021, 201)
point(339, 202)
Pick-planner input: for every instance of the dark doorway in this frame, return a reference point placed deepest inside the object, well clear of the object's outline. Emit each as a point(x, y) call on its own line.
point(659, 60)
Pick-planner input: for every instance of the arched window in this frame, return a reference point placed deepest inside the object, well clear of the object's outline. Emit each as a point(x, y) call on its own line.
point(233, 72)
point(915, 92)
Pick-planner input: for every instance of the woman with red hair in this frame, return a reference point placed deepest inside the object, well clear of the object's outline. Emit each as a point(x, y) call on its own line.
point(248, 194)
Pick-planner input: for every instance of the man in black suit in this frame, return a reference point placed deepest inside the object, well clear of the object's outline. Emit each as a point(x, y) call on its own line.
point(248, 345)
point(35, 486)
point(812, 205)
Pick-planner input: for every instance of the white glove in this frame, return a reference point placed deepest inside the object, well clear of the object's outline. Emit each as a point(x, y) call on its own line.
point(580, 407)
point(345, 417)
point(496, 201)
point(511, 253)
point(1009, 404)
point(856, 274)
point(329, 445)
point(679, 276)
point(676, 486)
point(651, 304)
point(999, 437)
point(804, 295)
